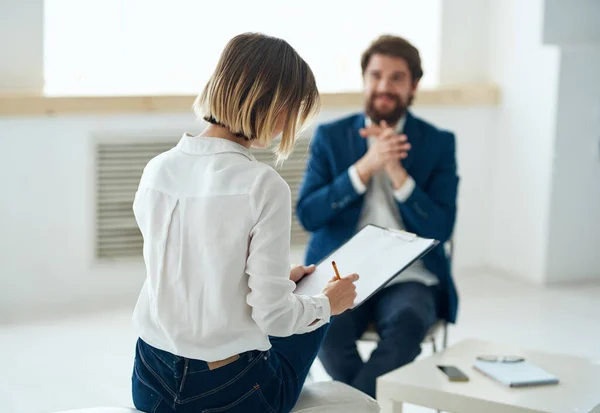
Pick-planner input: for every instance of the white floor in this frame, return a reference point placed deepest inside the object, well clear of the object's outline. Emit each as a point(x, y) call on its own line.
point(86, 360)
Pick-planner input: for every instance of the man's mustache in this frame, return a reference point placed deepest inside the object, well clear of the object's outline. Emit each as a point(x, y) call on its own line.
point(388, 95)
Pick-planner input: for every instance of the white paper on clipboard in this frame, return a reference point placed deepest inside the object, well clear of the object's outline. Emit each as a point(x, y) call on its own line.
point(376, 254)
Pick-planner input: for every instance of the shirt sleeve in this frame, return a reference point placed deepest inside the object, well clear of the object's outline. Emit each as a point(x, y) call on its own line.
point(275, 308)
point(405, 191)
point(357, 183)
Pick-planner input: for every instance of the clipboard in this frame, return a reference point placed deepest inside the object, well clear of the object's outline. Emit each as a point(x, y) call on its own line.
point(376, 254)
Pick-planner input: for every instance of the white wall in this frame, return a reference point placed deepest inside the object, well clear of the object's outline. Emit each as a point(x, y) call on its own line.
point(465, 42)
point(47, 213)
point(575, 203)
point(572, 22)
point(545, 204)
point(21, 46)
point(527, 72)
point(574, 236)
point(47, 209)
point(574, 219)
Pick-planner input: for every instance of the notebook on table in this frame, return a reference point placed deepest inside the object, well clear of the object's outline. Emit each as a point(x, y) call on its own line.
point(520, 374)
point(376, 254)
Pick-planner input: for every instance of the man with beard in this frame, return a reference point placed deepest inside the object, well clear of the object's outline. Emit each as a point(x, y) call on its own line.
point(384, 167)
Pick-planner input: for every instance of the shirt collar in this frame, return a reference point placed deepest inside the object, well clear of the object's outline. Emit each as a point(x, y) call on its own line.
point(195, 145)
point(399, 126)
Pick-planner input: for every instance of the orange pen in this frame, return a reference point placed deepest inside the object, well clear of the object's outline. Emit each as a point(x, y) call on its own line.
point(337, 273)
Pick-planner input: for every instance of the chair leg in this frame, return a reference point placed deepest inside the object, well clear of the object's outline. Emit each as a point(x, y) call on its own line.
point(445, 338)
point(444, 345)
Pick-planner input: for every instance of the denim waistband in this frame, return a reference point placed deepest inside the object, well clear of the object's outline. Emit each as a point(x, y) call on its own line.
point(172, 361)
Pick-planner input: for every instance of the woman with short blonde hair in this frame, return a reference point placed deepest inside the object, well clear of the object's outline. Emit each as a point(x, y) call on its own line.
point(219, 327)
point(249, 99)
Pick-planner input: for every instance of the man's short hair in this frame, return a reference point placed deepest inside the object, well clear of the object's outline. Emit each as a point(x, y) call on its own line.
point(395, 46)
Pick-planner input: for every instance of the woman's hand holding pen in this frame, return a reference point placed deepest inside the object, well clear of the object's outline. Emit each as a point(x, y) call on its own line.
point(341, 293)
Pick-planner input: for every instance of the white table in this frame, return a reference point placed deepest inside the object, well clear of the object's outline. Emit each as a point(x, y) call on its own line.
point(422, 383)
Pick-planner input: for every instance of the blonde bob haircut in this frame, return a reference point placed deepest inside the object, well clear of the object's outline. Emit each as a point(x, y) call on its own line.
point(259, 85)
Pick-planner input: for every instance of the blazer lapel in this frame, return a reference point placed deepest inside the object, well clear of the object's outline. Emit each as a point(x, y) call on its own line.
point(358, 144)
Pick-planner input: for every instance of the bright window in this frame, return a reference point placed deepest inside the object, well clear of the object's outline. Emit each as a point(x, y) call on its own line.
point(125, 47)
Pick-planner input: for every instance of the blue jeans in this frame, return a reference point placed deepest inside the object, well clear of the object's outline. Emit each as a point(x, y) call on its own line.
point(259, 381)
point(402, 313)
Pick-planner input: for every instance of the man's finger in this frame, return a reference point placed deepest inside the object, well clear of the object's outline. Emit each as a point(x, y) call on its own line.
point(392, 147)
point(386, 130)
point(371, 130)
point(400, 145)
point(398, 151)
point(397, 155)
point(384, 126)
point(387, 134)
point(397, 139)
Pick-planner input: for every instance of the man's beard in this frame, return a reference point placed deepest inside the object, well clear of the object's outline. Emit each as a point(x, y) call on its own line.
point(393, 116)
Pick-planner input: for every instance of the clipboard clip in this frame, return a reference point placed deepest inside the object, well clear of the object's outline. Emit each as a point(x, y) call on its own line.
point(406, 236)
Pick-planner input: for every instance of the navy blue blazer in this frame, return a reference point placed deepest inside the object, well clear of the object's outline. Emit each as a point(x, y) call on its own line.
point(329, 207)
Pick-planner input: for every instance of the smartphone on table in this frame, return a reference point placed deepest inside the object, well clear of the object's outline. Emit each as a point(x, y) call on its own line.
point(453, 373)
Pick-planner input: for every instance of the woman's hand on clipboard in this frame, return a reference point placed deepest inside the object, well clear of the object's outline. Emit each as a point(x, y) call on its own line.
point(299, 271)
point(341, 293)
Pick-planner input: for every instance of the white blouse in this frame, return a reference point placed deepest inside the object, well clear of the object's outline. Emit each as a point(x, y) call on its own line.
point(216, 228)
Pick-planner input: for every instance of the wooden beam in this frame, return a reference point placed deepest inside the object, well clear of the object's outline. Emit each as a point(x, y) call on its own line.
point(470, 95)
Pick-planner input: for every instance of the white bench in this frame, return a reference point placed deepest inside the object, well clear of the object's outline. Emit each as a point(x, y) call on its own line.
point(319, 397)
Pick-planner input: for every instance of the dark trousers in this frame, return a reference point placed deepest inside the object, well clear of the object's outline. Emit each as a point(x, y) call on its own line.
point(259, 381)
point(402, 313)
